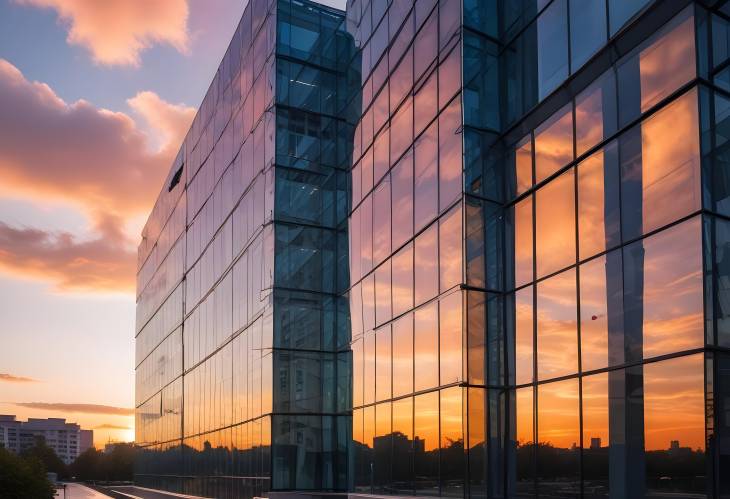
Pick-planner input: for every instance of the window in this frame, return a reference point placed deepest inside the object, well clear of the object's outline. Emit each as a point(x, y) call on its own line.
point(598, 202)
point(450, 251)
point(426, 261)
point(557, 332)
point(402, 203)
point(621, 11)
point(450, 157)
point(660, 168)
point(524, 339)
point(366, 235)
point(601, 303)
point(401, 130)
point(383, 364)
point(555, 224)
point(524, 442)
point(522, 220)
point(450, 338)
point(552, 47)
point(521, 167)
point(452, 442)
point(595, 112)
point(426, 345)
point(587, 30)
point(449, 76)
point(403, 280)
point(403, 356)
point(382, 445)
point(426, 439)
point(381, 154)
point(554, 143)
point(558, 431)
point(425, 46)
point(663, 291)
point(369, 368)
point(426, 180)
point(401, 80)
point(368, 302)
point(402, 472)
point(425, 103)
point(383, 311)
point(381, 222)
point(596, 437)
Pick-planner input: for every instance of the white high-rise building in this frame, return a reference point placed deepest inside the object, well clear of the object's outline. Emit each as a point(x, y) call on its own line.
point(68, 440)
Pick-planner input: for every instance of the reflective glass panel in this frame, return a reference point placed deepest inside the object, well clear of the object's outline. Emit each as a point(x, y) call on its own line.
point(383, 364)
point(557, 331)
point(522, 219)
point(382, 446)
point(595, 435)
point(552, 47)
point(426, 346)
point(401, 130)
point(403, 280)
point(524, 440)
point(426, 261)
point(450, 338)
point(558, 431)
point(450, 158)
point(555, 224)
point(598, 202)
point(450, 251)
point(402, 199)
point(425, 103)
point(554, 143)
point(587, 30)
point(403, 355)
point(522, 166)
point(595, 112)
point(426, 177)
point(452, 442)
point(426, 441)
point(381, 221)
point(524, 337)
point(402, 471)
point(382, 293)
point(369, 368)
point(663, 291)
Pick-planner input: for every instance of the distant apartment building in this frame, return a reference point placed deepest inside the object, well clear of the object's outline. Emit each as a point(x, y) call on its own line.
point(531, 297)
point(68, 440)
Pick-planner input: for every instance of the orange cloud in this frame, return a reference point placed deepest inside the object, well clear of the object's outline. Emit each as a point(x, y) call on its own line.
point(95, 159)
point(77, 408)
point(117, 31)
point(11, 378)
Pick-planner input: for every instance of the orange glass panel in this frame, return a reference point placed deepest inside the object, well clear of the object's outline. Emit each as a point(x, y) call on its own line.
point(598, 202)
point(595, 411)
point(383, 310)
point(588, 118)
point(452, 432)
point(403, 280)
point(450, 338)
point(555, 225)
point(450, 254)
point(674, 404)
point(426, 177)
point(426, 345)
point(383, 363)
point(523, 241)
point(403, 356)
point(369, 370)
point(426, 265)
point(426, 420)
point(523, 165)
point(557, 328)
point(558, 421)
point(593, 315)
point(554, 143)
point(450, 157)
point(523, 336)
point(524, 431)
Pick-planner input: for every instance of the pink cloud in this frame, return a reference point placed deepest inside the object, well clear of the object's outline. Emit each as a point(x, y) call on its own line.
point(117, 31)
point(11, 378)
point(95, 159)
point(76, 408)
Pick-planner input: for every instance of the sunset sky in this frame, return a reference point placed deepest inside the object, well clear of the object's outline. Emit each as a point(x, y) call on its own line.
point(95, 98)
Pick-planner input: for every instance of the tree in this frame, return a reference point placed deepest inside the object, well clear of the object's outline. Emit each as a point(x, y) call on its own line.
point(23, 478)
point(46, 455)
point(116, 465)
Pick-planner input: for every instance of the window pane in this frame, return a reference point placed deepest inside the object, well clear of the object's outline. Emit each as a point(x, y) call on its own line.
point(426, 180)
point(450, 159)
point(522, 219)
point(401, 130)
point(368, 302)
point(663, 291)
point(381, 155)
point(601, 318)
point(523, 336)
point(476, 316)
point(621, 11)
point(401, 81)
point(381, 222)
point(476, 447)
point(425, 46)
point(555, 224)
point(402, 446)
point(382, 364)
point(598, 202)
point(450, 241)
point(358, 372)
point(520, 174)
point(361, 450)
point(587, 30)
point(449, 76)
point(552, 47)
point(403, 280)
point(426, 442)
point(660, 171)
point(452, 442)
point(382, 294)
point(426, 261)
point(402, 212)
point(595, 112)
point(426, 346)
point(595, 435)
point(382, 446)
point(557, 333)
point(425, 103)
point(524, 441)
point(369, 360)
point(558, 431)
point(674, 423)
point(554, 143)
point(366, 235)
point(403, 356)
point(450, 338)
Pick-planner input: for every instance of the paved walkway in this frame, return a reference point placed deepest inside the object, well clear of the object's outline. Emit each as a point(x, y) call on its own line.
point(78, 491)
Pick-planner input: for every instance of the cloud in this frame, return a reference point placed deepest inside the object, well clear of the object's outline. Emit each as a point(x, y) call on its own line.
point(170, 120)
point(95, 159)
point(10, 378)
point(104, 263)
point(77, 408)
point(116, 31)
point(111, 427)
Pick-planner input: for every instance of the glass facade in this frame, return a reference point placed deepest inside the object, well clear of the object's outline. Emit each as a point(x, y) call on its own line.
point(448, 248)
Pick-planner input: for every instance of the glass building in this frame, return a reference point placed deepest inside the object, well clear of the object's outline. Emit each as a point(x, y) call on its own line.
point(475, 248)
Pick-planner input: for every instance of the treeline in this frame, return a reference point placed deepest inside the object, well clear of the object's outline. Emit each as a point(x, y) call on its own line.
point(114, 466)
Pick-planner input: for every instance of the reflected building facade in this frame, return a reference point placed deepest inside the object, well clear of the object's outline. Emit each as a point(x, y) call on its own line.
point(537, 232)
point(449, 248)
point(242, 377)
